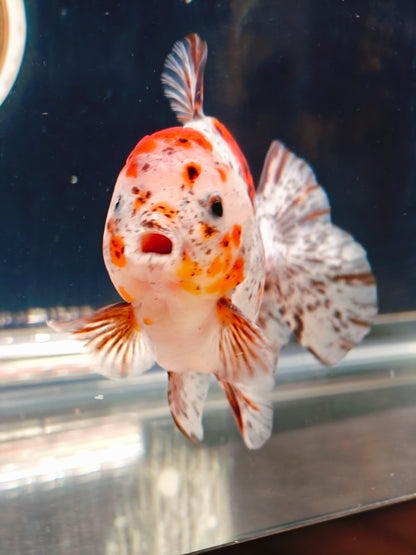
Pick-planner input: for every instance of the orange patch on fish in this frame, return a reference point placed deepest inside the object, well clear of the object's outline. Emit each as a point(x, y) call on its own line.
point(194, 136)
point(131, 169)
point(182, 137)
point(110, 225)
point(117, 251)
point(235, 149)
point(141, 198)
point(215, 267)
point(146, 145)
point(128, 298)
point(227, 251)
point(188, 268)
point(236, 235)
point(191, 173)
point(147, 321)
point(138, 203)
point(191, 287)
point(226, 241)
point(222, 170)
point(230, 280)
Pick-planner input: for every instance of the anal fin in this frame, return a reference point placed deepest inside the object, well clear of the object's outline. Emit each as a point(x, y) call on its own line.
point(187, 393)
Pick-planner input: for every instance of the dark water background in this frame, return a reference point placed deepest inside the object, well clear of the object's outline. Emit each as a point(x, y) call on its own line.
point(335, 80)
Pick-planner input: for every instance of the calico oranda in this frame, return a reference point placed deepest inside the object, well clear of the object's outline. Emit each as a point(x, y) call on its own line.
point(215, 274)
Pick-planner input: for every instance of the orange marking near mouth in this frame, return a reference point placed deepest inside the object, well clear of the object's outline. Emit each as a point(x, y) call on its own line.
point(117, 251)
point(215, 267)
point(188, 268)
point(141, 198)
point(191, 287)
point(138, 202)
point(230, 280)
point(165, 209)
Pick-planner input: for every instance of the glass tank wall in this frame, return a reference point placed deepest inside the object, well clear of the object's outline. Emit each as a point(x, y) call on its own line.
point(90, 465)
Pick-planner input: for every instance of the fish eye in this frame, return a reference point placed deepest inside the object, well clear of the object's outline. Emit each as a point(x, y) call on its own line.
point(117, 203)
point(216, 206)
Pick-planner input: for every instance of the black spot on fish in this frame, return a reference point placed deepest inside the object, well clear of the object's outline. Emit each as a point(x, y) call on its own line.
point(193, 172)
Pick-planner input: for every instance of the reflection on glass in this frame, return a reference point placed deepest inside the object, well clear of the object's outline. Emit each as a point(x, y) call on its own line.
point(12, 43)
point(174, 485)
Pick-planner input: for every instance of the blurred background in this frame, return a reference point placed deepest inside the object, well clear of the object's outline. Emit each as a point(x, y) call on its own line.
point(334, 79)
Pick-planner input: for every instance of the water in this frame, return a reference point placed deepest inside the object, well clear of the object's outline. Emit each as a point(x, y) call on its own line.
point(89, 465)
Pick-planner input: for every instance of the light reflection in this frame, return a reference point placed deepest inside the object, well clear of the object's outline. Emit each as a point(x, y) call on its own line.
point(42, 337)
point(95, 445)
point(12, 43)
point(43, 348)
point(168, 482)
point(177, 502)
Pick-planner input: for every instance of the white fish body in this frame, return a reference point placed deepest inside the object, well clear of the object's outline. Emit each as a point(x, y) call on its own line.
point(215, 276)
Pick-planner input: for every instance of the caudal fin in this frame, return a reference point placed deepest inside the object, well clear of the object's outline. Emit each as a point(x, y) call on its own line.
point(183, 77)
point(318, 279)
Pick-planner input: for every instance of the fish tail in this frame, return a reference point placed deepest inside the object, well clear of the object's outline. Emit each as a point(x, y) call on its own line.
point(183, 77)
point(319, 282)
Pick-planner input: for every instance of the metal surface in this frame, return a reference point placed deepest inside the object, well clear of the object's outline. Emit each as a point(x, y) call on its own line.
point(88, 465)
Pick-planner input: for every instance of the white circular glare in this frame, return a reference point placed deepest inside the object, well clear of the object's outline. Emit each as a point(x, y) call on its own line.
point(12, 43)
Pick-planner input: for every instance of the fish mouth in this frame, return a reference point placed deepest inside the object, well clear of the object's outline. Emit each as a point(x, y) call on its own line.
point(155, 243)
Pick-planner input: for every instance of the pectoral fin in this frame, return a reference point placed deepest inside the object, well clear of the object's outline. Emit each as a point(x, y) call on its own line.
point(187, 393)
point(244, 351)
point(112, 335)
point(248, 362)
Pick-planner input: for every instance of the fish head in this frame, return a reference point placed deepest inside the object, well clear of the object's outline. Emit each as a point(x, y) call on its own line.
point(178, 218)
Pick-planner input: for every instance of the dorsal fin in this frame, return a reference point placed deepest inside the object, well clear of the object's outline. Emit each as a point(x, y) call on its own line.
point(183, 77)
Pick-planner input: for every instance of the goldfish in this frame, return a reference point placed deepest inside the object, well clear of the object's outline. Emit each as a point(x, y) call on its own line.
point(215, 274)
